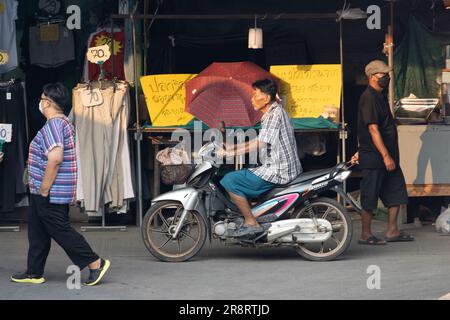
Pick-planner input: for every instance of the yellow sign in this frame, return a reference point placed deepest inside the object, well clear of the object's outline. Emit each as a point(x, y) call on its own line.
point(103, 40)
point(166, 96)
point(4, 58)
point(49, 32)
point(309, 90)
point(2, 7)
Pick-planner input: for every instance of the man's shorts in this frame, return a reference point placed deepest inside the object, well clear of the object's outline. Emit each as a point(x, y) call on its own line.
point(390, 187)
point(246, 184)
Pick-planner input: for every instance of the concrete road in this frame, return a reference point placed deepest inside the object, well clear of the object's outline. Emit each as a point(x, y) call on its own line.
point(417, 270)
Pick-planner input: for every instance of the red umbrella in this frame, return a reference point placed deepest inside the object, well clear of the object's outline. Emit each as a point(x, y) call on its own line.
point(222, 92)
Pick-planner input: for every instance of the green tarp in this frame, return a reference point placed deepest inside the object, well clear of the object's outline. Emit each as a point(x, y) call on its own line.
point(298, 124)
point(419, 61)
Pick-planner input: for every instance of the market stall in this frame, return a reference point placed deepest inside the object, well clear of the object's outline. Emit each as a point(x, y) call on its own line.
point(423, 114)
point(310, 66)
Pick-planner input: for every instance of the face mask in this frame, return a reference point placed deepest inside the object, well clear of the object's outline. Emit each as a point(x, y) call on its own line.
point(41, 109)
point(384, 82)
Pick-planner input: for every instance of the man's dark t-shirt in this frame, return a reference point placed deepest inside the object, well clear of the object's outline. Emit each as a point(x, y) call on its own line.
point(374, 109)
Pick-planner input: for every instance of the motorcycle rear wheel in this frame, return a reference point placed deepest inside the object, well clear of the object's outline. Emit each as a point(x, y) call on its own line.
point(158, 226)
point(337, 215)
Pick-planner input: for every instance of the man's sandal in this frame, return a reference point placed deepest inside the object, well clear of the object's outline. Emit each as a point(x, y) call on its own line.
point(372, 241)
point(402, 237)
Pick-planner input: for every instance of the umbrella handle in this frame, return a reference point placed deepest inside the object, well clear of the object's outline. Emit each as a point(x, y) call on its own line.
point(221, 128)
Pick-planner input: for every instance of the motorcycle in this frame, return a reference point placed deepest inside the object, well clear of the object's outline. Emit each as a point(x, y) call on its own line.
point(295, 215)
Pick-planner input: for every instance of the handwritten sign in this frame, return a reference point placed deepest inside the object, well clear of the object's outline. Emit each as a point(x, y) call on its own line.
point(166, 96)
point(4, 58)
point(308, 90)
point(92, 98)
point(99, 55)
point(5, 132)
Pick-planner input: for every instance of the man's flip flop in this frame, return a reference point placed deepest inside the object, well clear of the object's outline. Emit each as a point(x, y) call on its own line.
point(372, 241)
point(245, 230)
point(402, 237)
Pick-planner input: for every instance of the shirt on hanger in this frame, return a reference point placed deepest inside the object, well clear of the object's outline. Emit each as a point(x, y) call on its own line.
point(100, 38)
point(8, 17)
point(51, 49)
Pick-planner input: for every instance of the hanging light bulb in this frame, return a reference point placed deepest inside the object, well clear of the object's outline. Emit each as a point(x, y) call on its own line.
point(255, 37)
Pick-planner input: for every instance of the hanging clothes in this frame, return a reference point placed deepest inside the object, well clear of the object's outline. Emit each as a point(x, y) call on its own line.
point(51, 45)
point(104, 173)
point(102, 37)
point(8, 17)
point(12, 111)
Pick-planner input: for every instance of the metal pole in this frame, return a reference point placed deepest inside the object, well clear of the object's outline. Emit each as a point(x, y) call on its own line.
point(391, 59)
point(287, 16)
point(343, 133)
point(112, 47)
point(138, 136)
point(146, 5)
point(10, 229)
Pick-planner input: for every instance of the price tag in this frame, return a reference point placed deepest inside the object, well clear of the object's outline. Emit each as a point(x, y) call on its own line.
point(5, 132)
point(446, 77)
point(92, 98)
point(99, 55)
point(8, 96)
point(4, 58)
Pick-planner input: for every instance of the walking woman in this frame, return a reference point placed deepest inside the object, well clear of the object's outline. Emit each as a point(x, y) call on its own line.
point(52, 180)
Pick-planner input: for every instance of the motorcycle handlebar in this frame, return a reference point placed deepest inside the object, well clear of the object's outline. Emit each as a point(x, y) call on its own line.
point(349, 165)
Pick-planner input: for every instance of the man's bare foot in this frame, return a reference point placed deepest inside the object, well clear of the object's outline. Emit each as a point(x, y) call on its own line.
point(95, 265)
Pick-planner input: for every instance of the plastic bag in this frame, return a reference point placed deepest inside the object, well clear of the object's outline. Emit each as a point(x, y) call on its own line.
point(173, 156)
point(443, 221)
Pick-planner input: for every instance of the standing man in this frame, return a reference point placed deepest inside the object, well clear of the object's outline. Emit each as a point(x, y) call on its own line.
point(52, 171)
point(378, 157)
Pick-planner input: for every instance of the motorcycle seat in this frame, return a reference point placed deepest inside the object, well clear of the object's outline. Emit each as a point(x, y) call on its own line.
point(306, 176)
point(303, 177)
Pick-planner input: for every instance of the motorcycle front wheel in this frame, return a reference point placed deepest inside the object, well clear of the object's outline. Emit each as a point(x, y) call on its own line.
point(341, 222)
point(159, 226)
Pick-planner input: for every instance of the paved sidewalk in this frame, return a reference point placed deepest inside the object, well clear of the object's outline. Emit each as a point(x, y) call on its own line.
point(417, 270)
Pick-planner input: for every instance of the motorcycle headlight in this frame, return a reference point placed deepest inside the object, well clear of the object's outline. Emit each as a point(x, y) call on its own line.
point(341, 177)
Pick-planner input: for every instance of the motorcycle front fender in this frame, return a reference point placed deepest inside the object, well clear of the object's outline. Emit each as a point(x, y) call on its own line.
point(190, 198)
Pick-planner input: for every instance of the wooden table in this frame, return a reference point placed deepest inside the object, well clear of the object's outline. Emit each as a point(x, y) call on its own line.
point(425, 160)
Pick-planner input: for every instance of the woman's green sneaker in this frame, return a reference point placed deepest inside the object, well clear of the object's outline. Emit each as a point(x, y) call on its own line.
point(27, 278)
point(96, 275)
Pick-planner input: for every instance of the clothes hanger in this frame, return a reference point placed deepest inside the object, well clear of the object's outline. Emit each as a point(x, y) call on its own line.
point(48, 20)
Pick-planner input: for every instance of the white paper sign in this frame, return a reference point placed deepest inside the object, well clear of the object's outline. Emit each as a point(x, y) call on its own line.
point(4, 58)
point(446, 77)
point(99, 55)
point(5, 132)
point(92, 98)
